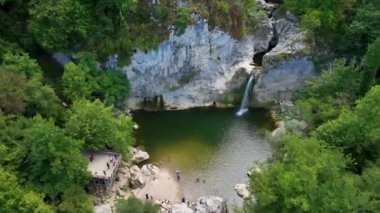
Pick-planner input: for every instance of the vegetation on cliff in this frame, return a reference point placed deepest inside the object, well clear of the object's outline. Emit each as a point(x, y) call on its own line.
point(333, 165)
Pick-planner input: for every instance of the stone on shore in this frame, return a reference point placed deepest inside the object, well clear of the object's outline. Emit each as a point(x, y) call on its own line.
point(180, 208)
point(150, 169)
point(242, 191)
point(137, 180)
point(138, 155)
point(103, 209)
point(211, 204)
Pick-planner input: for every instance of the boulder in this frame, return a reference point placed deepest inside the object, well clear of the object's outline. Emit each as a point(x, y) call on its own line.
point(210, 204)
point(137, 180)
point(242, 191)
point(277, 134)
point(149, 169)
point(134, 169)
point(180, 208)
point(103, 209)
point(138, 155)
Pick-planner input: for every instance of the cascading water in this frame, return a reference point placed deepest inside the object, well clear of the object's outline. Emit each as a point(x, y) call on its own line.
point(244, 104)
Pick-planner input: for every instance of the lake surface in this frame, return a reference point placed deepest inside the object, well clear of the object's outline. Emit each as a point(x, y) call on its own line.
point(211, 145)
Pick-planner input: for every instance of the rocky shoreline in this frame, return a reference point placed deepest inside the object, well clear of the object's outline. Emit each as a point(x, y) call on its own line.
point(160, 185)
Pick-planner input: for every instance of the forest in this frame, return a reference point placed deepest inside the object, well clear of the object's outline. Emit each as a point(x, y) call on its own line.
point(49, 117)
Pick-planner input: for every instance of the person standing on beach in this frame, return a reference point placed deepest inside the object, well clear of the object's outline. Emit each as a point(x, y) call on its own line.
point(178, 175)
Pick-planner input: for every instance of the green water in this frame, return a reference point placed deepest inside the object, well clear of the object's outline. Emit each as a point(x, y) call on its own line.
point(212, 145)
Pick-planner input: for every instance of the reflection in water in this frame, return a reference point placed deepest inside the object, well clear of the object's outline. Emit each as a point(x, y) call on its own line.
point(211, 145)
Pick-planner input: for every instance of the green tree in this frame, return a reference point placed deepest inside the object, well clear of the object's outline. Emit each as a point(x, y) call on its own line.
point(182, 19)
point(113, 86)
point(41, 99)
point(78, 82)
point(12, 94)
point(54, 161)
point(368, 197)
point(75, 199)
point(371, 65)
point(22, 63)
point(307, 177)
point(59, 25)
point(14, 198)
point(357, 131)
point(97, 125)
point(322, 99)
point(135, 205)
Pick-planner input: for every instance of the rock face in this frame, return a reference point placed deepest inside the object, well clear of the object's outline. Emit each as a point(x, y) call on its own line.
point(180, 208)
point(211, 204)
point(189, 70)
point(280, 82)
point(242, 191)
point(138, 156)
point(286, 67)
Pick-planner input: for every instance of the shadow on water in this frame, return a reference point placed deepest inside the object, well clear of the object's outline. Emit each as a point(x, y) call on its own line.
point(211, 145)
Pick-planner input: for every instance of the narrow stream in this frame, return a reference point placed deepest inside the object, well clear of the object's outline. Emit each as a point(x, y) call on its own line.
point(213, 148)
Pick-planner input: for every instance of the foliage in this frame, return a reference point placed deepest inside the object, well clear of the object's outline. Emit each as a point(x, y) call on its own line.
point(97, 125)
point(371, 66)
point(368, 197)
point(59, 25)
point(182, 19)
point(22, 64)
point(362, 30)
point(14, 198)
point(41, 99)
point(357, 131)
point(12, 95)
point(54, 161)
point(78, 82)
point(322, 99)
point(75, 199)
point(307, 177)
point(133, 204)
point(323, 20)
point(85, 80)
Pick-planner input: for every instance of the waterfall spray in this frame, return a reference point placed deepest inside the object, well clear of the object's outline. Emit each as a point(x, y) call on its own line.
point(244, 104)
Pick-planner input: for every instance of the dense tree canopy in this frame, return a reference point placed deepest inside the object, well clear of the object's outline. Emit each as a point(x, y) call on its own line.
point(98, 126)
point(14, 198)
point(307, 177)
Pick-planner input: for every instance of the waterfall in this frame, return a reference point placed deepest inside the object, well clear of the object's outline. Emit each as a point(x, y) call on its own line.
point(244, 104)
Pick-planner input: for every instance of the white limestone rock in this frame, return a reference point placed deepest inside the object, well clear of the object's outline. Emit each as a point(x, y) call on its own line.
point(280, 82)
point(138, 155)
point(210, 204)
point(242, 191)
point(188, 70)
point(180, 208)
point(103, 209)
point(134, 170)
point(137, 180)
point(149, 170)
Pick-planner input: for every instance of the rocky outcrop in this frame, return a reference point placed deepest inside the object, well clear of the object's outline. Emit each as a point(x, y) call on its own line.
point(242, 191)
point(211, 204)
point(180, 208)
point(192, 69)
point(137, 177)
point(138, 155)
point(286, 66)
